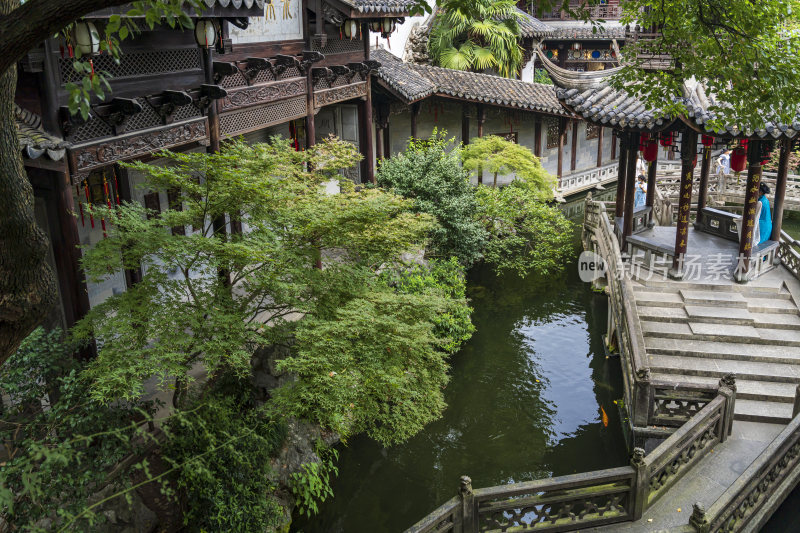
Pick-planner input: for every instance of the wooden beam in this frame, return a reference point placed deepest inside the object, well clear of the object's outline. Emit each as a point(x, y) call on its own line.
point(749, 215)
point(213, 115)
point(688, 154)
point(623, 169)
point(780, 189)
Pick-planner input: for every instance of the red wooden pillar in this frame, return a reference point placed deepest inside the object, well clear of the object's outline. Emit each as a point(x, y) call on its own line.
point(630, 185)
point(749, 216)
point(702, 194)
point(623, 169)
point(688, 154)
point(780, 189)
point(652, 171)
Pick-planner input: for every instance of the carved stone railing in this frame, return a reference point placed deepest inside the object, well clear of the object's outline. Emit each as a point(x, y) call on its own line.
point(588, 179)
point(789, 253)
point(753, 497)
point(592, 499)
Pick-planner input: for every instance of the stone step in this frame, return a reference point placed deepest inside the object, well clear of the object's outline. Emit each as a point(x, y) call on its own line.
point(663, 314)
point(746, 289)
point(658, 299)
point(719, 315)
point(720, 332)
point(723, 350)
point(695, 366)
point(759, 411)
point(776, 321)
point(771, 305)
point(714, 298)
point(768, 391)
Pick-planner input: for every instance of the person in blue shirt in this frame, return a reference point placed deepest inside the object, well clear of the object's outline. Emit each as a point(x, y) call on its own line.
point(640, 194)
point(765, 218)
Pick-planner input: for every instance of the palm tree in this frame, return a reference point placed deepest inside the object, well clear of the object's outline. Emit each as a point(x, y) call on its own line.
point(477, 35)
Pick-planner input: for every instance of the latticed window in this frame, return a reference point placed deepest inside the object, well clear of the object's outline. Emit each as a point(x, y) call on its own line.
point(552, 132)
point(592, 131)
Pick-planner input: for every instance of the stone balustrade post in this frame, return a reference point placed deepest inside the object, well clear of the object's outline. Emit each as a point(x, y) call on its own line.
point(698, 520)
point(468, 519)
point(642, 398)
point(727, 387)
point(796, 410)
point(641, 484)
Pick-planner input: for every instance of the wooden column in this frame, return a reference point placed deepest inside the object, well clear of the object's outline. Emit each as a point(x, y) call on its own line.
point(573, 163)
point(780, 189)
point(414, 115)
point(600, 146)
point(702, 193)
point(630, 185)
point(562, 139)
point(652, 170)
point(379, 142)
point(311, 129)
point(213, 115)
point(613, 147)
point(688, 154)
point(749, 215)
point(368, 164)
point(537, 138)
point(481, 119)
point(464, 125)
point(71, 279)
point(623, 169)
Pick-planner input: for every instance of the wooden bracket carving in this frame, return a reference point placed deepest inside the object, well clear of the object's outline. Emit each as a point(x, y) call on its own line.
point(223, 69)
point(166, 103)
point(338, 70)
point(320, 73)
point(283, 63)
point(67, 121)
point(117, 112)
point(371, 65)
point(356, 68)
point(253, 66)
point(207, 94)
point(309, 58)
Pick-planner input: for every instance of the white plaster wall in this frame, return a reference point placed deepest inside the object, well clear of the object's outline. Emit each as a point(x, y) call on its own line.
point(396, 43)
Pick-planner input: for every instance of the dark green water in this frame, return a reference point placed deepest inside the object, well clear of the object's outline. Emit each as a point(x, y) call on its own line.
point(524, 403)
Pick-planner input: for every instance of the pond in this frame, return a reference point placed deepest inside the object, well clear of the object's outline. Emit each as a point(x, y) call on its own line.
point(524, 403)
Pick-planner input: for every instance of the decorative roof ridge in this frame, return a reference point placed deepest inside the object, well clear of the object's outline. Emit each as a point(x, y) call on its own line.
point(569, 79)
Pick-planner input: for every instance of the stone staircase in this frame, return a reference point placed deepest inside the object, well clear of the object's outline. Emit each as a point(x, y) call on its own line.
point(699, 332)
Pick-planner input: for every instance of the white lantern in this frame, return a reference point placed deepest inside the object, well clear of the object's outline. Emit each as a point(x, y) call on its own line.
point(350, 28)
point(388, 25)
point(205, 33)
point(87, 38)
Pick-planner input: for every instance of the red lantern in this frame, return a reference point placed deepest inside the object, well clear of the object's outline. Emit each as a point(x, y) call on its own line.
point(651, 151)
point(666, 139)
point(707, 140)
point(643, 138)
point(738, 159)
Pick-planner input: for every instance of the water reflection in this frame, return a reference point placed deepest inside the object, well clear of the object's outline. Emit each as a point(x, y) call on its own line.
point(523, 403)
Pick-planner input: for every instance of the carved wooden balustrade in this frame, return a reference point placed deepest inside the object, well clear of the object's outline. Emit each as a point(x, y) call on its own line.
point(579, 501)
point(753, 497)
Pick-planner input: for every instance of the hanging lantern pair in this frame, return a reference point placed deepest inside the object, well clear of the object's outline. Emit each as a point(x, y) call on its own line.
point(350, 29)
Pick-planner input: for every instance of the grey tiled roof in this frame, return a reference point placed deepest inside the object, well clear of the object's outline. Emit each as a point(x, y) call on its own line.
point(589, 95)
point(33, 140)
point(380, 6)
point(532, 27)
point(415, 82)
point(235, 3)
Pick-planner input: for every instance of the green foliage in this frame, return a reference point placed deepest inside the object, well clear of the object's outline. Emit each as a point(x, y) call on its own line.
point(117, 29)
point(439, 278)
point(500, 157)
point(312, 485)
point(527, 234)
point(746, 53)
point(429, 171)
point(540, 75)
point(60, 446)
point(477, 35)
point(221, 451)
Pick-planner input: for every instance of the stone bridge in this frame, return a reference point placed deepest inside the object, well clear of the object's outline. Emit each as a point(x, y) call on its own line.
point(711, 370)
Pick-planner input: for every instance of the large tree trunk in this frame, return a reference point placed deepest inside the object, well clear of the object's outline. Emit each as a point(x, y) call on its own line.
point(27, 284)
